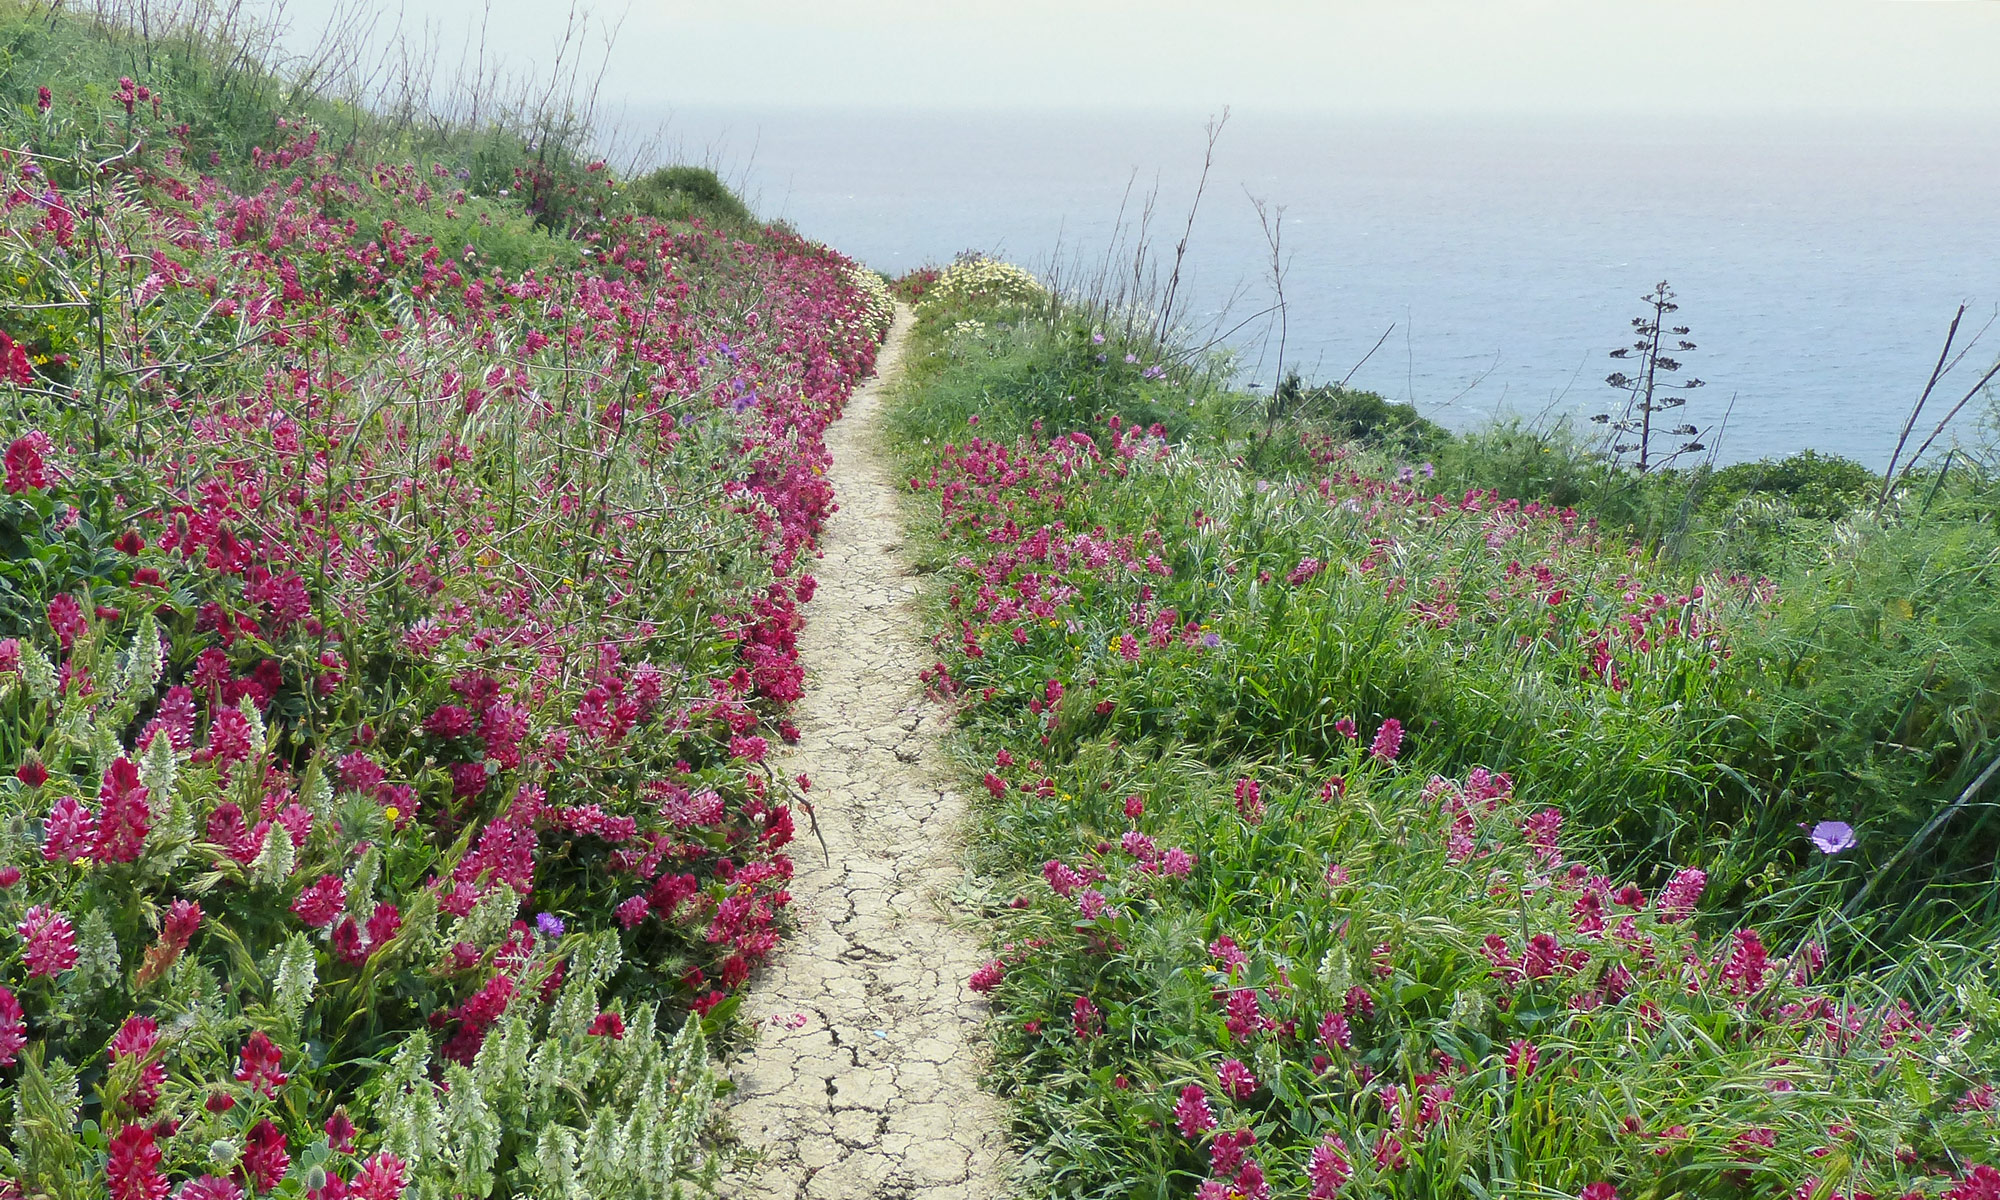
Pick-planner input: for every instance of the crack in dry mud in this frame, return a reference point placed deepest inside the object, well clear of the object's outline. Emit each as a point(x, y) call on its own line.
point(863, 1080)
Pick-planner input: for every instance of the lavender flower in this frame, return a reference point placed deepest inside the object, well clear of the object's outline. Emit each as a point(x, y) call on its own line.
point(1832, 837)
point(550, 924)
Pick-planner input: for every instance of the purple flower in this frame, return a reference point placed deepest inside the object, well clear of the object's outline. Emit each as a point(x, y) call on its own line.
point(550, 924)
point(1833, 836)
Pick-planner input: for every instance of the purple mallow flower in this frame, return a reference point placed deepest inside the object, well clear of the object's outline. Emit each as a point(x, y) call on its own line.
point(1833, 836)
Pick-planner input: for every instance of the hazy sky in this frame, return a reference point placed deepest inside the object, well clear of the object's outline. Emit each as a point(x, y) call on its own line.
point(1457, 56)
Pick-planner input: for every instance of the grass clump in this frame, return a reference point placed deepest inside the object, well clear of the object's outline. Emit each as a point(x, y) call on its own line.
point(687, 193)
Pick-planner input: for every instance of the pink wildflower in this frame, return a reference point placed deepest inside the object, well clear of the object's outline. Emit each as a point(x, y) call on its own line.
point(320, 903)
point(1250, 800)
point(258, 1064)
point(125, 818)
point(340, 1131)
point(265, 1157)
point(1085, 1019)
point(1521, 1058)
point(988, 977)
point(382, 1177)
point(51, 947)
point(1388, 742)
point(1192, 1115)
point(1235, 1079)
point(25, 465)
point(1678, 899)
point(210, 1187)
point(66, 619)
point(1980, 1183)
point(13, 1028)
point(133, 1172)
point(69, 832)
point(1328, 1167)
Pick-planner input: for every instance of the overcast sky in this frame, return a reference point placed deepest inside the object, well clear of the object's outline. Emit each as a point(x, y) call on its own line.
point(1308, 56)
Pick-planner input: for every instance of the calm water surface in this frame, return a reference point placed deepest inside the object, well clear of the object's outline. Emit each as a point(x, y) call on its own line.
point(1817, 262)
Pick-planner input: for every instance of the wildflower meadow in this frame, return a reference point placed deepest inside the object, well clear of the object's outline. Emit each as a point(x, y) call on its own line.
point(394, 634)
point(1336, 826)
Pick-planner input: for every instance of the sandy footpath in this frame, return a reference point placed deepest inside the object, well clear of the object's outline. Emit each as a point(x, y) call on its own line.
point(864, 1079)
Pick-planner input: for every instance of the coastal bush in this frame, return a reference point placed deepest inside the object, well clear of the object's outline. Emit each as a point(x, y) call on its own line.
point(975, 280)
point(392, 633)
point(687, 193)
point(1817, 486)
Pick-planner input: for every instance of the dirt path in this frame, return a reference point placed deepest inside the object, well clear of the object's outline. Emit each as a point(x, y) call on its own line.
point(864, 1081)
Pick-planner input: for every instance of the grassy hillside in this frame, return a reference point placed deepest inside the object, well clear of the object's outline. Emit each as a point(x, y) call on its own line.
point(401, 571)
point(1358, 826)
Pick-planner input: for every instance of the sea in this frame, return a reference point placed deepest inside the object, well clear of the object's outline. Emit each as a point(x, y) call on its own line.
point(1475, 267)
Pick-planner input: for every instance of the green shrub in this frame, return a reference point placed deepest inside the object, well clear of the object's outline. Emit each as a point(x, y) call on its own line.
point(685, 193)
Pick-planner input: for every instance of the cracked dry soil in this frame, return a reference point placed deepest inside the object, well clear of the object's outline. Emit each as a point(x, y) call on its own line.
point(863, 1082)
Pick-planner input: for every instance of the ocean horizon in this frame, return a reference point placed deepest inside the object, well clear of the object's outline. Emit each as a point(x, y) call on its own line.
point(1817, 260)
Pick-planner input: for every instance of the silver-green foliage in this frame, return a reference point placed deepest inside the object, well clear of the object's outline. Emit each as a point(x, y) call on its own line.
point(550, 1110)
